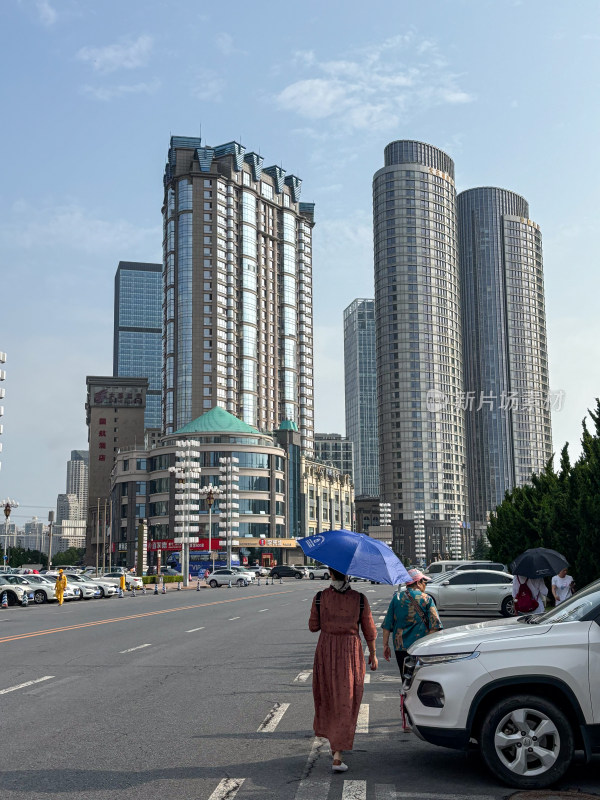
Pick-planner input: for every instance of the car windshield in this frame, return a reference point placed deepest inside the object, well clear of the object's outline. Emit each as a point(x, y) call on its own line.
point(573, 609)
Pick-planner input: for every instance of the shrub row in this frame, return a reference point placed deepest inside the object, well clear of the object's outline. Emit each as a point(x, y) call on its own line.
point(152, 579)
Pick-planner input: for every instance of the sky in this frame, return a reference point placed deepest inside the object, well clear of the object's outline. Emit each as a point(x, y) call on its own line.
point(91, 92)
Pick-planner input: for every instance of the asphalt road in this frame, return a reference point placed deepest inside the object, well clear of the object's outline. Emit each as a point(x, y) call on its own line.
point(203, 696)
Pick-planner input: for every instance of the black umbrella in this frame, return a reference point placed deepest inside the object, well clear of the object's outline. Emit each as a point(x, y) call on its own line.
point(538, 562)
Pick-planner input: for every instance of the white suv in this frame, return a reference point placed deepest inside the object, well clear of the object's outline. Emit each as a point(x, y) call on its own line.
point(526, 690)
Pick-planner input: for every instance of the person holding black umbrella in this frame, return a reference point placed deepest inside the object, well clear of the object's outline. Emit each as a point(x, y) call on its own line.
point(529, 569)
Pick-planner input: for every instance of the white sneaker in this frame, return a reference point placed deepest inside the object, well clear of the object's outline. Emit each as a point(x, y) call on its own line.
point(339, 767)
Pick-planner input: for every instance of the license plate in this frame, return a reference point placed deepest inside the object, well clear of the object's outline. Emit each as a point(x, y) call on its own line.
point(30, 595)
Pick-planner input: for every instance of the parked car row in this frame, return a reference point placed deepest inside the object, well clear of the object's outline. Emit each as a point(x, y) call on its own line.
point(39, 587)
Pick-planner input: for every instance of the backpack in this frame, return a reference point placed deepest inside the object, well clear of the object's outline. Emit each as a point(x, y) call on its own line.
point(525, 602)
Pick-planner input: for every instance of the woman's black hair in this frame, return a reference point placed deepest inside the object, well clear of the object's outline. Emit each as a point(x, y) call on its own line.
point(337, 576)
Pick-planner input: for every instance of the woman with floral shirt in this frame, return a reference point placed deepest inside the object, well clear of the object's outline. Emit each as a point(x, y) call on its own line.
point(410, 616)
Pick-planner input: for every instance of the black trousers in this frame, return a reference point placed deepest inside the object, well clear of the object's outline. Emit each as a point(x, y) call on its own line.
point(400, 656)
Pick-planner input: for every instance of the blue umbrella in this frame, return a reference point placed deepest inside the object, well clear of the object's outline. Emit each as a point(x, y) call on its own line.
point(355, 554)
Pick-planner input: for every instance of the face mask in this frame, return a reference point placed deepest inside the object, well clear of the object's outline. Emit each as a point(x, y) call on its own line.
point(340, 586)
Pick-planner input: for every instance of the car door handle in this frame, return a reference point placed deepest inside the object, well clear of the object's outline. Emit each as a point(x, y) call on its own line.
point(471, 589)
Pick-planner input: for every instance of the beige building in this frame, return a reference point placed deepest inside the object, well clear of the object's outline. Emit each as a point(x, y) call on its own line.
point(328, 497)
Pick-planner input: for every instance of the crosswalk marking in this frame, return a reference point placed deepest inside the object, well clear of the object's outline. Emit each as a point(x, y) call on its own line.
point(367, 678)
point(139, 647)
point(302, 677)
point(227, 789)
point(385, 791)
point(27, 683)
point(354, 790)
point(273, 718)
point(314, 789)
point(362, 723)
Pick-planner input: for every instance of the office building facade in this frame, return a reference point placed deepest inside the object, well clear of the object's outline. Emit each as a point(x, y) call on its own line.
point(335, 450)
point(506, 382)
point(137, 339)
point(238, 326)
point(360, 382)
point(422, 456)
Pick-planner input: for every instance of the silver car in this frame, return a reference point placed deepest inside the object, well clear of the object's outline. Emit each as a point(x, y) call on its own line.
point(481, 590)
point(223, 576)
point(319, 572)
point(14, 590)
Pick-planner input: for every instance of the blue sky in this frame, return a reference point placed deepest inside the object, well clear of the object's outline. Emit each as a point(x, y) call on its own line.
point(91, 92)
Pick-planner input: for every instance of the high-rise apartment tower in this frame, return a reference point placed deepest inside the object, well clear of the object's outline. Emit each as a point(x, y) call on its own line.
point(419, 349)
point(137, 340)
point(505, 348)
point(360, 379)
point(238, 289)
point(77, 479)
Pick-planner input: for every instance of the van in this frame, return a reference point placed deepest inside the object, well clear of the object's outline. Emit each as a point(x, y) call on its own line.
point(436, 567)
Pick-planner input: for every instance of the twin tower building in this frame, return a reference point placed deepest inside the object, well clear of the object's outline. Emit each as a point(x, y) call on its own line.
point(458, 404)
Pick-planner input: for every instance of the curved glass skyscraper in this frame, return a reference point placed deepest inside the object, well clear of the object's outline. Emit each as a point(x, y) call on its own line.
point(419, 349)
point(505, 348)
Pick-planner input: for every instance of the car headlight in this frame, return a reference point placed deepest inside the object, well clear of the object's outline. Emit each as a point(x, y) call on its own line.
point(426, 661)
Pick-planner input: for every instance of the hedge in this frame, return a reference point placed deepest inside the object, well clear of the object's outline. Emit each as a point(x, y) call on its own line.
point(152, 579)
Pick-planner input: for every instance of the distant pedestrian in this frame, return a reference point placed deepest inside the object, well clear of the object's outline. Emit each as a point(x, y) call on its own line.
point(411, 615)
point(339, 665)
point(529, 595)
point(563, 586)
point(206, 574)
point(122, 582)
point(60, 586)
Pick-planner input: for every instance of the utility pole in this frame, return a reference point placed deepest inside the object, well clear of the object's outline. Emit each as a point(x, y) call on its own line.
point(97, 532)
point(104, 540)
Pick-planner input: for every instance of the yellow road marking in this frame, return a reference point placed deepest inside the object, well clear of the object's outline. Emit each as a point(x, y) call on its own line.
point(133, 616)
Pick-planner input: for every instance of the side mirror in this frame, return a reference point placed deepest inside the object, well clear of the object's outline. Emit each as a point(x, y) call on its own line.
point(446, 583)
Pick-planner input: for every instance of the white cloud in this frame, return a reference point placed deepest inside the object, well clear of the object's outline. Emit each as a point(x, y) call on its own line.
point(127, 54)
point(224, 42)
point(71, 228)
point(377, 87)
point(208, 86)
point(107, 93)
point(46, 12)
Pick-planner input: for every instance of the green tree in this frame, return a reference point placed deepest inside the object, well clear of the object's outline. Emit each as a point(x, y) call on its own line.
point(72, 556)
point(481, 551)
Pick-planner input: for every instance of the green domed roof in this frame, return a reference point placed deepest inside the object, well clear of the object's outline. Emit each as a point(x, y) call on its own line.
point(288, 425)
point(217, 420)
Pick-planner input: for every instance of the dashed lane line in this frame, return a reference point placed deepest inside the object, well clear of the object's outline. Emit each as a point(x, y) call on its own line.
point(47, 631)
point(273, 718)
point(24, 685)
point(354, 790)
point(131, 649)
point(315, 788)
point(193, 630)
point(302, 677)
point(261, 610)
point(227, 789)
point(362, 723)
point(232, 618)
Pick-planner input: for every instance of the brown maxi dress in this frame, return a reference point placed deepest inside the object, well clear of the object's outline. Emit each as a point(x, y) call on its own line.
point(339, 665)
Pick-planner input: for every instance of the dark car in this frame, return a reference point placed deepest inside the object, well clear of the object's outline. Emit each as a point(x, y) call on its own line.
point(285, 571)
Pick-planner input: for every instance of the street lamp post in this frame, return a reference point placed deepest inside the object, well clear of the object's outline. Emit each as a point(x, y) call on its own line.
point(187, 476)
point(229, 517)
point(209, 493)
point(8, 507)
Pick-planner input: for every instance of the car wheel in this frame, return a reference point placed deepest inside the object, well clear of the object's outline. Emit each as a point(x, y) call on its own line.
point(508, 607)
point(527, 742)
point(39, 597)
point(102, 593)
point(240, 582)
point(298, 576)
point(213, 584)
point(326, 576)
point(311, 575)
point(11, 598)
point(275, 575)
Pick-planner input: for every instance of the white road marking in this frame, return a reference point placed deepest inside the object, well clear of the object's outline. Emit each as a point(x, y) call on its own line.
point(27, 683)
point(354, 790)
point(362, 723)
point(232, 618)
point(429, 796)
point(139, 647)
point(273, 718)
point(193, 630)
point(302, 677)
point(370, 590)
point(385, 791)
point(316, 789)
point(227, 789)
point(367, 678)
point(381, 617)
point(305, 599)
point(261, 610)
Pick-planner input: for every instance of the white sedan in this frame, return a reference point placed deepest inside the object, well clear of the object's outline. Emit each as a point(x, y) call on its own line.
point(130, 579)
point(319, 572)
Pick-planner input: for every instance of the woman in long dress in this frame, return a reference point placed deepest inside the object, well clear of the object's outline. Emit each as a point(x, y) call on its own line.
point(339, 665)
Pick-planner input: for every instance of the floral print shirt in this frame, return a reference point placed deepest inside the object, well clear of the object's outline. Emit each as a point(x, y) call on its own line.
point(404, 621)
